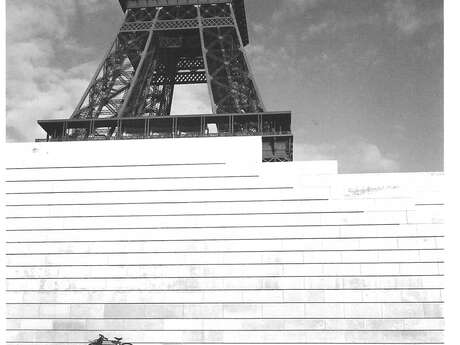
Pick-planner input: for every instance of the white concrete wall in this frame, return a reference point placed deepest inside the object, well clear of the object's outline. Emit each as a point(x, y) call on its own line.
point(195, 241)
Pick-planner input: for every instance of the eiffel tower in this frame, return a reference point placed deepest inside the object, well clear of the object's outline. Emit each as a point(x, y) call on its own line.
point(163, 43)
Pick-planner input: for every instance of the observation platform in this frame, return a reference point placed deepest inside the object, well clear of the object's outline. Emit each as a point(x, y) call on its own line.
point(273, 127)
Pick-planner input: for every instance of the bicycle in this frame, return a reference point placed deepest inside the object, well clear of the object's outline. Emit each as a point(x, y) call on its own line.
point(102, 340)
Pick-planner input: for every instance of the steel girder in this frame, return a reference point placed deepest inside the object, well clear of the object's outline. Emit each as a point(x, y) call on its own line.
point(159, 47)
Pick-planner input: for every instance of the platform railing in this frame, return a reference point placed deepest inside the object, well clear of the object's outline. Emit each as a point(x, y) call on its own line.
point(164, 136)
point(258, 124)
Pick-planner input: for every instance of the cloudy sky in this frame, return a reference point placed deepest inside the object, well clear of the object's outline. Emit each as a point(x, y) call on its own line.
point(363, 78)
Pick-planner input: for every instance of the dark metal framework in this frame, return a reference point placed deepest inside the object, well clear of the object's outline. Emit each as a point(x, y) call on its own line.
point(163, 43)
point(273, 127)
point(159, 47)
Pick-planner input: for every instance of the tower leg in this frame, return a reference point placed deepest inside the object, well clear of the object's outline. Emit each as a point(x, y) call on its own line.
point(133, 100)
point(204, 51)
point(233, 89)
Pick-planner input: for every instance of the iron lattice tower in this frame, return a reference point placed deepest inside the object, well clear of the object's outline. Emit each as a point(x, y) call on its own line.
point(163, 43)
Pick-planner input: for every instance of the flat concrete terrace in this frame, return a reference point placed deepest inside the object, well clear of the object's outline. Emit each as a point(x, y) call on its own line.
point(195, 241)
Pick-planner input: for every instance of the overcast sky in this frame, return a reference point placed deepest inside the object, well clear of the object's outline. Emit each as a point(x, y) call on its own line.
point(363, 78)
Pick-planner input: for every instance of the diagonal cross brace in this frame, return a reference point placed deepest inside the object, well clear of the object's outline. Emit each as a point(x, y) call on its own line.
point(133, 100)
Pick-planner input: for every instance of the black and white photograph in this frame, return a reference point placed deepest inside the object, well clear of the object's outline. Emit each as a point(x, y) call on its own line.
point(225, 172)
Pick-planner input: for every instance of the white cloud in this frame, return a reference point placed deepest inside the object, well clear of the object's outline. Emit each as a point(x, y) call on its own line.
point(403, 14)
point(28, 20)
point(191, 100)
point(290, 8)
point(353, 156)
point(258, 28)
point(36, 89)
point(271, 61)
point(300, 5)
point(316, 29)
point(408, 17)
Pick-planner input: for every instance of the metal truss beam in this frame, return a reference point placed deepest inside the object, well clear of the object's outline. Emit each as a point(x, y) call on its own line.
point(180, 24)
point(182, 78)
point(159, 47)
point(164, 43)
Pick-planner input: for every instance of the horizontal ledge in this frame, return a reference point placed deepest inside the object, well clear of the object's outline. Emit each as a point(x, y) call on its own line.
point(136, 178)
point(220, 303)
point(114, 166)
point(231, 277)
point(240, 264)
point(213, 227)
point(263, 135)
point(230, 251)
point(214, 290)
point(153, 190)
point(225, 330)
point(234, 343)
point(235, 239)
point(429, 204)
point(188, 215)
point(167, 202)
point(229, 318)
